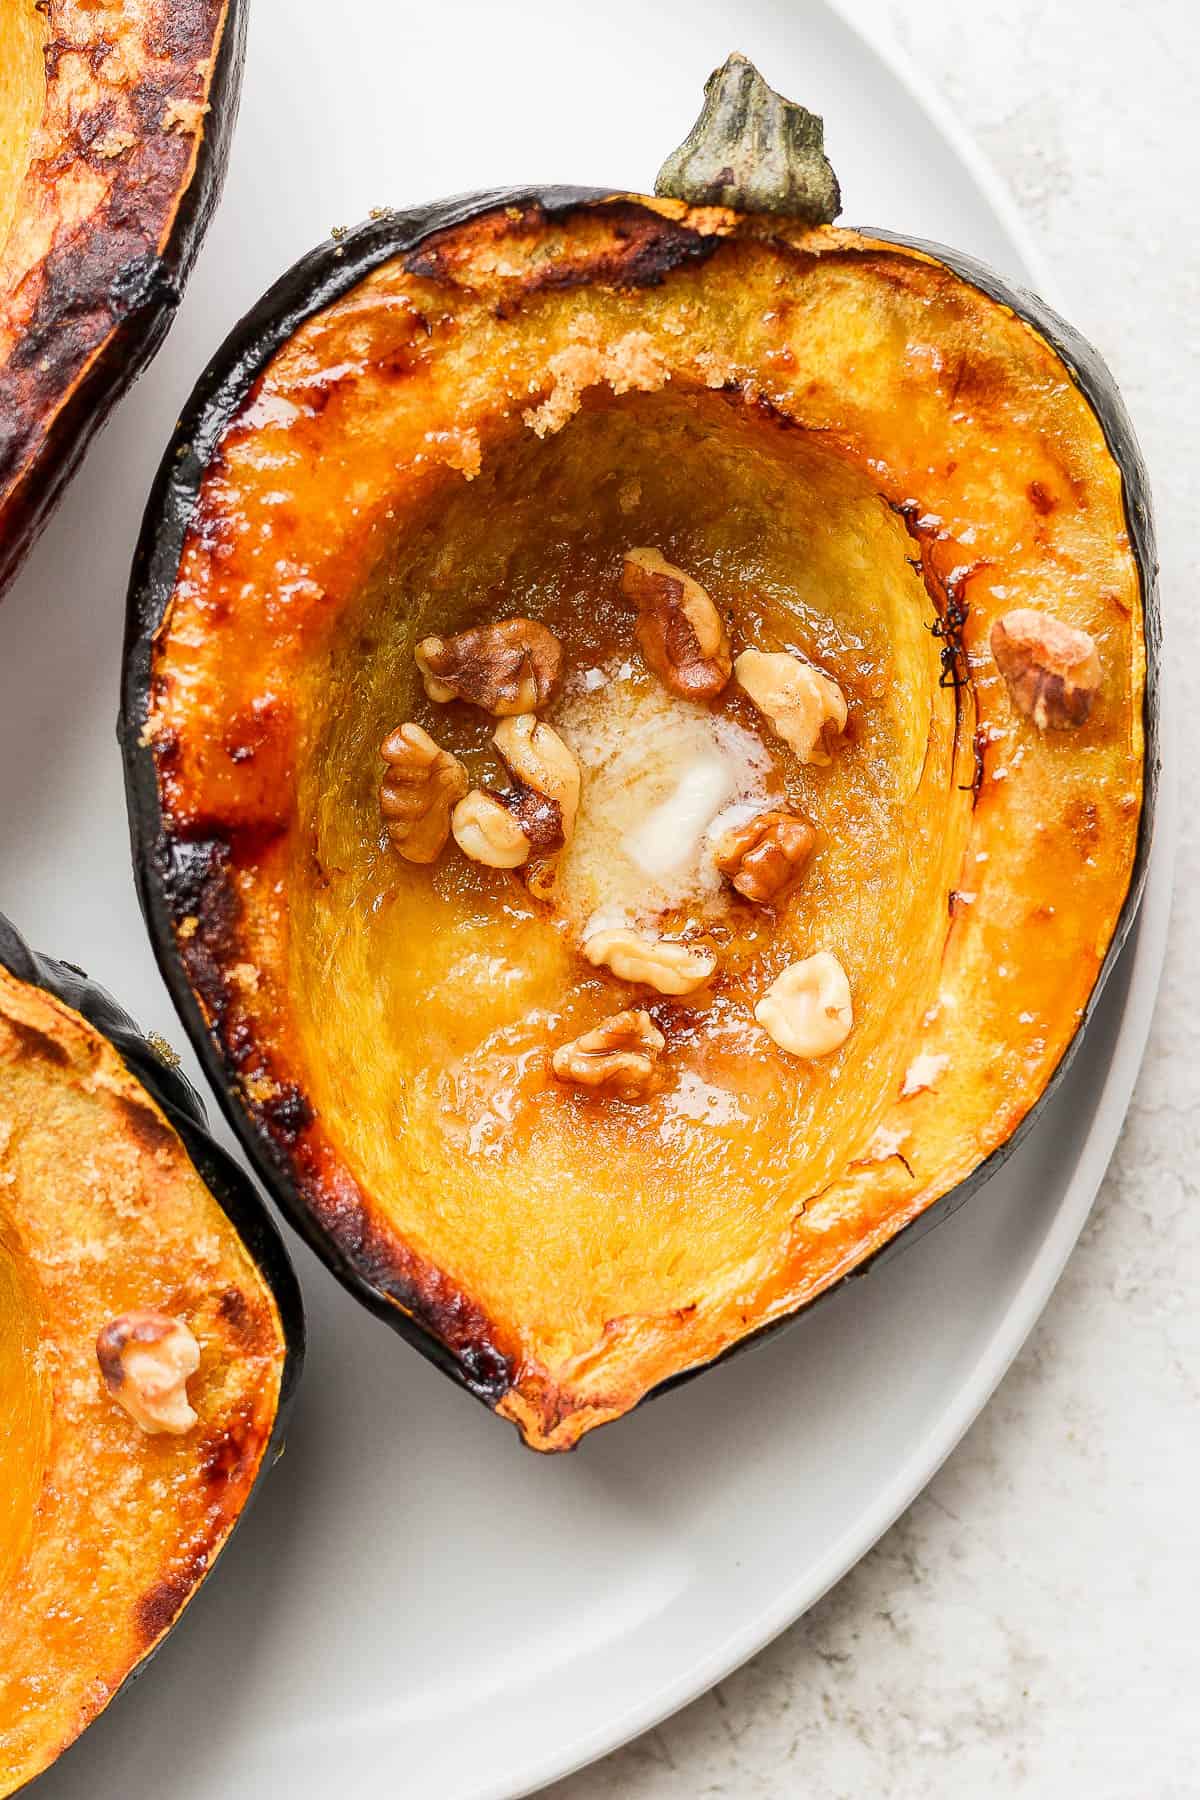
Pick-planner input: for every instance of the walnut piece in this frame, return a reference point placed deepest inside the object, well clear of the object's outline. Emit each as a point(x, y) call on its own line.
point(1052, 670)
point(807, 1009)
point(542, 765)
point(803, 705)
point(671, 967)
point(145, 1359)
point(679, 631)
point(537, 813)
point(619, 1056)
point(487, 832)
point(765, 856)
point(421, 786)
point(510, 667)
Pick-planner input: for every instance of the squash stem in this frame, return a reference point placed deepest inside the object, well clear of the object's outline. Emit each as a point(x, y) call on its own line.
point(754, 151)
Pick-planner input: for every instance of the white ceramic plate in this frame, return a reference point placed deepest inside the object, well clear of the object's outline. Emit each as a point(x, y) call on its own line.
point(416, 1605)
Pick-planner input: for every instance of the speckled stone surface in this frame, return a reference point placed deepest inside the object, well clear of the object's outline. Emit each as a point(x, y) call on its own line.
point(1029, 1627)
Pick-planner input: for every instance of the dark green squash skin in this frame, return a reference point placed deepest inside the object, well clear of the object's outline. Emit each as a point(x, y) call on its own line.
point(229, 1186)
point(139, 299)
point(314, 283)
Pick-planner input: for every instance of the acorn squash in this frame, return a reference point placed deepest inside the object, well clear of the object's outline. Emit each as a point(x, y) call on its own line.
point(115, 120)
point(122, 1226)
point(580, 1117)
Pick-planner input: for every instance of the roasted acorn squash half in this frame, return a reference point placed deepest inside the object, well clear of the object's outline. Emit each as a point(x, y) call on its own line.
point(151, 1334)
point(115, 119)
point(581, 1117)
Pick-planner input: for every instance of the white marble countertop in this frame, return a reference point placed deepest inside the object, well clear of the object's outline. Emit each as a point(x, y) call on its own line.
point(1028, 1627)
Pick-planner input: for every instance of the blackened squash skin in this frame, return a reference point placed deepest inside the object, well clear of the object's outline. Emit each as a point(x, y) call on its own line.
point(115, 1199)
point(242, 790)
point(116, 122)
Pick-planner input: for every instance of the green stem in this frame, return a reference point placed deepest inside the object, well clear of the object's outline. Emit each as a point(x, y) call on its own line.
point(754, 151)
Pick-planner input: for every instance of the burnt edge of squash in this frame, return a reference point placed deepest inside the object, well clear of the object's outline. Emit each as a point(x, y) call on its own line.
point(109, 295)
point(411, 1292)
point(159, 1609)
point(418, 1307)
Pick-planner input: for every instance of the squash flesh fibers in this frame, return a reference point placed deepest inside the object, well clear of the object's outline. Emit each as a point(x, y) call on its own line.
point(23, 34)
point(23, 1413)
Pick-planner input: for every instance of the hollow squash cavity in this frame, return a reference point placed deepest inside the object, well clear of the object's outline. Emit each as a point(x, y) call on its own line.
point(427, 1000)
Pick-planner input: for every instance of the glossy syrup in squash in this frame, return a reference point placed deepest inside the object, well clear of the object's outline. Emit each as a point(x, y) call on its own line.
point(430, 1000)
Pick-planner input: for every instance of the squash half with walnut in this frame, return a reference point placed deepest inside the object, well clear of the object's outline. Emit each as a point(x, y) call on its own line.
point(150, 1338)
point(115, 121)
point(865, 454)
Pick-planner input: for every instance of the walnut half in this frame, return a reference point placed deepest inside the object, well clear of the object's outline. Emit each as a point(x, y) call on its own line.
point(679, 631)
point(765, 857)
point(671, 967)
point(619, 1056)
point(510, 667)
point(547, 776)
point(1051, 670)
point(804, 706)
point(145, 1359)
point(422, 784)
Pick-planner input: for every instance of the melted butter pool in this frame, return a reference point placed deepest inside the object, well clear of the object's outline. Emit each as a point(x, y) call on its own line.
point(657, 773)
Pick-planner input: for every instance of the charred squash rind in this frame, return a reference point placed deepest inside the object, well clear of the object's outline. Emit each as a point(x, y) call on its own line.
point(192, 882)
point(84, 323)
point(196, 972)
point(232, 1453)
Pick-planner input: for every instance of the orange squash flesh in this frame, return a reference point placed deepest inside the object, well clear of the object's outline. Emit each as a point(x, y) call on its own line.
point(845, 442)
point(106, 1532)
point(114, 124)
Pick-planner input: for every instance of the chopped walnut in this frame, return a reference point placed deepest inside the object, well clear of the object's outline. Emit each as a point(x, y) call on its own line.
point(510, 667)
point(803, 705)
point(421, 786)
point(671, 967)
point(538, 816)
point(766, 856)
point(681, 634)
point(1052, 670)
point(487, 832)
point(541, 765)
point(145, 1359)
point(619, 1056)
point(807, 1009)
point(537, 813)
